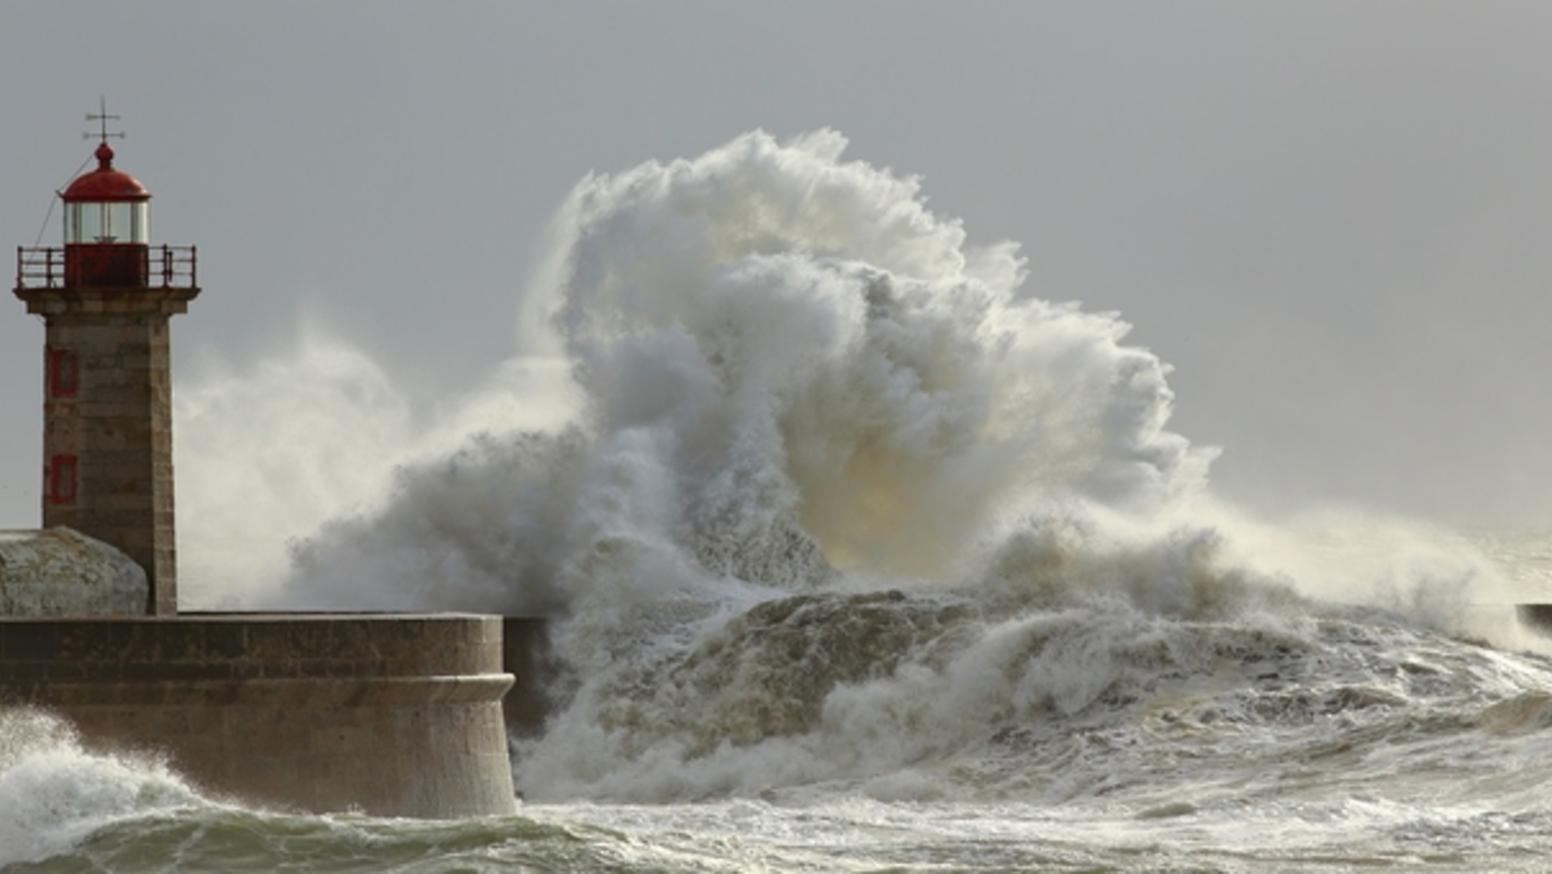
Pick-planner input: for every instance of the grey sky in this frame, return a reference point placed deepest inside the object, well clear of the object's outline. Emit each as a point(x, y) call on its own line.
point(1330, 217)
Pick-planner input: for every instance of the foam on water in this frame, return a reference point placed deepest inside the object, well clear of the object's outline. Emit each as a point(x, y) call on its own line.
point(53, 793)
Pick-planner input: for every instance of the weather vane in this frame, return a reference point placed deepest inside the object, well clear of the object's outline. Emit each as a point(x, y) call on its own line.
point(102, 116)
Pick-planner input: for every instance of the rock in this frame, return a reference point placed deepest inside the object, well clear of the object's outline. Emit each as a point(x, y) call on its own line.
point(61, 572)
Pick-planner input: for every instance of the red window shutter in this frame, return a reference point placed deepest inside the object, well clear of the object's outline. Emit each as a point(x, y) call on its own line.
point(62, 479)
point(64, 373)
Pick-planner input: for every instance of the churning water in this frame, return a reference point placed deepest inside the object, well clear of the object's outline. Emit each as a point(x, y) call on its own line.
point(864, 558)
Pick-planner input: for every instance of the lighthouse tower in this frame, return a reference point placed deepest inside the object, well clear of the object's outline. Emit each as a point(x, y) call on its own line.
point(106, 297)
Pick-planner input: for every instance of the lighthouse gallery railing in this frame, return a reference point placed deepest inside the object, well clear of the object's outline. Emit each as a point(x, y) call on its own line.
point(165, 267)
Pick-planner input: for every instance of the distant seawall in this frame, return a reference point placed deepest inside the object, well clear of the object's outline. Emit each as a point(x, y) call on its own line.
point(389, 714)
point(527, 656)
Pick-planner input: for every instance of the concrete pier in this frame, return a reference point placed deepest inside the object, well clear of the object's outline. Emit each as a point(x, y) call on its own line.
point(391, 715)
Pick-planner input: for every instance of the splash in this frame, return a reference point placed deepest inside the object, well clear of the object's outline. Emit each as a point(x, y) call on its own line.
point(54, 793)
point(840, 501)
point(789, 365)
point(269, 454)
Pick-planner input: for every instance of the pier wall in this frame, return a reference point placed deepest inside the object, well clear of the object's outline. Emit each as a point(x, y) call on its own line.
point(391, 715)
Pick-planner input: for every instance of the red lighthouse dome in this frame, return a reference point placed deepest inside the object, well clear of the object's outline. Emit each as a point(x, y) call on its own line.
point(107, 226)
point(105, 183)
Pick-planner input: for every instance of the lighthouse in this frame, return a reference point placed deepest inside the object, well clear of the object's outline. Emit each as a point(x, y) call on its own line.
point(106, 296)
point(388, 714)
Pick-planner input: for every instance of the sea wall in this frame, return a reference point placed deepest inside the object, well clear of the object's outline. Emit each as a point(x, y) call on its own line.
point(1537, 617)
point(391, 715)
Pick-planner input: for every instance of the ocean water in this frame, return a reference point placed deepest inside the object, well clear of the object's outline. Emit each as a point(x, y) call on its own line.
point(862, 556)
point(1099, 739)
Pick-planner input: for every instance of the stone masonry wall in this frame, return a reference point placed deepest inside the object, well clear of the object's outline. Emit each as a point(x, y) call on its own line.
point(392, 715)
point(107, 440)
point(117, 426)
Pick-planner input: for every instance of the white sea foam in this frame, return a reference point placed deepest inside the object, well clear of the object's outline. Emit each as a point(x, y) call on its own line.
point(53, 793)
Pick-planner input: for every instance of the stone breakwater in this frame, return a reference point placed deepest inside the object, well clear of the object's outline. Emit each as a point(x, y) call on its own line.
point(391, 715)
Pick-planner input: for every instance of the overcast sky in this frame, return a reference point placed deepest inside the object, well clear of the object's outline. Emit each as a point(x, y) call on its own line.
point(1330, 217)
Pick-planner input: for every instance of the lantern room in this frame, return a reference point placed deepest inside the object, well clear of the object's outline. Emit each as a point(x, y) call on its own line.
point(107, 227)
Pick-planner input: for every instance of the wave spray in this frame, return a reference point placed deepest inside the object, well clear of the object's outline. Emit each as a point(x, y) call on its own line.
point(842, 506)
